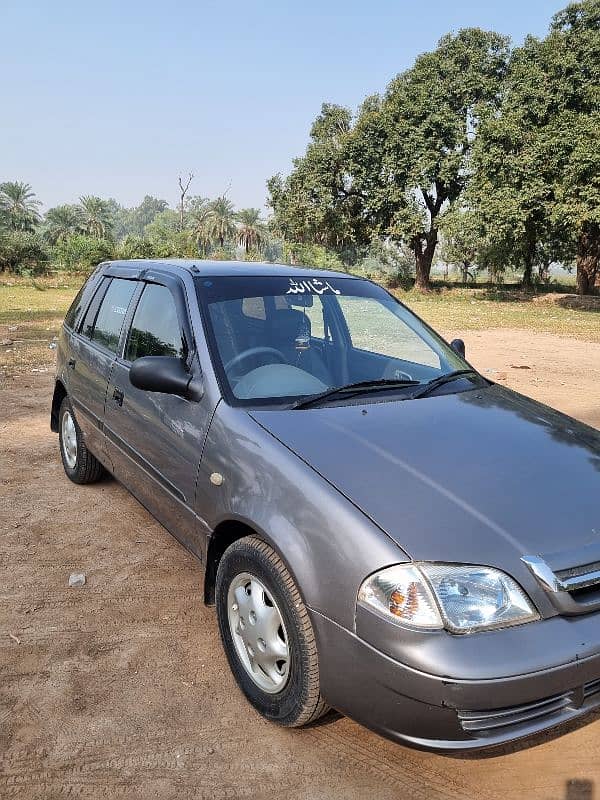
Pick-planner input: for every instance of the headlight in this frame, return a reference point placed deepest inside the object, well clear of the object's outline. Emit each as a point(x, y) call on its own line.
point(460, 599)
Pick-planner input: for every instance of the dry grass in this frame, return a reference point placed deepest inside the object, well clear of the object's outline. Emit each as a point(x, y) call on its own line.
point(476, 309)
point(31, 313)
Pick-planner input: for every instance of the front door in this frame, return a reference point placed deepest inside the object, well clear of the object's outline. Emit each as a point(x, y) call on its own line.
point(155, 440)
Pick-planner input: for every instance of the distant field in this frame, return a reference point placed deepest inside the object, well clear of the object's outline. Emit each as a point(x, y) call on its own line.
point(30, 316)
point(470, 309)
point(31, 313)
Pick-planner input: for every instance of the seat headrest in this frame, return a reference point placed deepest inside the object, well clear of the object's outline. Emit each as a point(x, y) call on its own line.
point(290, 323)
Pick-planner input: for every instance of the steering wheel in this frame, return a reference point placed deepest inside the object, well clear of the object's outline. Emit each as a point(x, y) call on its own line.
point(252, 352)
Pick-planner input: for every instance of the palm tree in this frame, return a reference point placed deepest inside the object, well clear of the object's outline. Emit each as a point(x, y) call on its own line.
point(96, 215)
point(220, 224)
point(252, 232)
point(199, 214)
point(19, 206)
point(63, 221)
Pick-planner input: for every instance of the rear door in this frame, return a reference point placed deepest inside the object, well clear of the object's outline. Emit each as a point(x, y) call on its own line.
point(92, 353)
point(155, 440)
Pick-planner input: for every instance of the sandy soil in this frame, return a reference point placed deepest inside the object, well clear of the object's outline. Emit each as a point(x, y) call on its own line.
point(120, 689)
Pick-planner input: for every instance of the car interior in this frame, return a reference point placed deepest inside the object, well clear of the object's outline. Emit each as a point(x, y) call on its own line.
point(270, 346)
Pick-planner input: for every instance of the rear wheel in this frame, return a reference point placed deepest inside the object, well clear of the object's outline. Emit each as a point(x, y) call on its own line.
point(267, 634)
point(79, 464)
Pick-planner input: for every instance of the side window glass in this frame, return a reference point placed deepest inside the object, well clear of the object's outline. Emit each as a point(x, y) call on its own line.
point(315, 314)
point(376, 329)
point(73, 311)
point(87, 326)
point(111, 314)
point(155, 329)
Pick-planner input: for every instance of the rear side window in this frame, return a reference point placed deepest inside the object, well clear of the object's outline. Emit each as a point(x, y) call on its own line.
point(73, 311)
point(106, 329)
point(155, 330)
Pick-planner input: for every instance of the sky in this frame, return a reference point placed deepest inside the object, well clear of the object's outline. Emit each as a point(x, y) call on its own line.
point(118, 99)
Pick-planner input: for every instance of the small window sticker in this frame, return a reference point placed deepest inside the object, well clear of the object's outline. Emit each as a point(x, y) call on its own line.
point(118, 310)
point(313, 286)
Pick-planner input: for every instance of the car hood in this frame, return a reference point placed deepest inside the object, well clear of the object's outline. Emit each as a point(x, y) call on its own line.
point(483, 476)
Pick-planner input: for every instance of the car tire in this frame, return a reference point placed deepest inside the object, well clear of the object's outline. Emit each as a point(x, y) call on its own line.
point(251, 571)
point(79, 464)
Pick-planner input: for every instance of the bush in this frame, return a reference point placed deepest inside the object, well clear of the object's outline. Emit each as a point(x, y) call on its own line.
point(23, 253)
point(312, 255)
point(80, 252)
point(136, 247)
point(252, 255)
point(389, 264)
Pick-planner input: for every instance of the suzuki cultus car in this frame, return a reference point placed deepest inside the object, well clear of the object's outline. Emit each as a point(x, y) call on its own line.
point(382, 529)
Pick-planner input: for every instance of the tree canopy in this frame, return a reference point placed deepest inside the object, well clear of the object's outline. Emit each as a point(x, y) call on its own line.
point(505, 142)
point(18, 206)
point(536, 165)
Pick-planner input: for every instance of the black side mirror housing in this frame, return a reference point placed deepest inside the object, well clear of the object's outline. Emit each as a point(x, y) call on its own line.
point(166, 374)
point(458, 346)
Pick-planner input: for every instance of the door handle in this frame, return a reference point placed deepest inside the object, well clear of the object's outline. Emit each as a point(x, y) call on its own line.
point(71, 363)
point(118, 397)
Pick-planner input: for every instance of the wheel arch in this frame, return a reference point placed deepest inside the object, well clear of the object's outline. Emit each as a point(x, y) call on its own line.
point(225, 534)
point(59, 395)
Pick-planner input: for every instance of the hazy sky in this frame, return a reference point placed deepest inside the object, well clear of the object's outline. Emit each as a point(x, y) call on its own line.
point(117, 98)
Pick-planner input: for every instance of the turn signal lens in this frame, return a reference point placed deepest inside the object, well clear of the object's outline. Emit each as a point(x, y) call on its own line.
point(401, 595)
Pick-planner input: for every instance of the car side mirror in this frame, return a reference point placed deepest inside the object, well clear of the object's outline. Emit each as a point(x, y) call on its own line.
point(458, 346)
point(166, 374)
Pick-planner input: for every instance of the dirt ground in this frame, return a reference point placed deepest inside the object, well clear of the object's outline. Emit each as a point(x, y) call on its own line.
point(120, 689)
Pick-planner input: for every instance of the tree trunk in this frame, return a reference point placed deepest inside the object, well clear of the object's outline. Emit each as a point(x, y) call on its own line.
point(465, 271)
point(424, 249)
point(588, 258)
point(527, 281)
point(529, 256)
point(182, 195)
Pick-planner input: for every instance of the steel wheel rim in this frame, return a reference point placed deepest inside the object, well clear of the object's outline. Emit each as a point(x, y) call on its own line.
point(69, 439)
point(258, 633)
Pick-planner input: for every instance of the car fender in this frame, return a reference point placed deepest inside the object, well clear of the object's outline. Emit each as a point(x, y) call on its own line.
point(247, 477)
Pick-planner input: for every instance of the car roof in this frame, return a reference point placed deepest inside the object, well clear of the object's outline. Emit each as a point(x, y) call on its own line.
point(198, 266)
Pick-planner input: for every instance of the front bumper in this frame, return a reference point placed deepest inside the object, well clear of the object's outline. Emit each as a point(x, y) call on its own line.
point(432, 711)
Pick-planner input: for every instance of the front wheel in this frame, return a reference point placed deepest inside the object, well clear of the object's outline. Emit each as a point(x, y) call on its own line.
point(267, 634)
point(79, 464)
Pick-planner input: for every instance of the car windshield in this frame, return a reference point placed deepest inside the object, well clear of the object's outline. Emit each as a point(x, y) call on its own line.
point(277, 340)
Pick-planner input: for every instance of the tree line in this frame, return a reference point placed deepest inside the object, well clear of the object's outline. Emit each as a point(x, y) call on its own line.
point(79, 236)
point(486, 154)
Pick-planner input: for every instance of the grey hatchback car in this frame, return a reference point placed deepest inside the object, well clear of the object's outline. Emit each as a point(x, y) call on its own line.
point(383, 530)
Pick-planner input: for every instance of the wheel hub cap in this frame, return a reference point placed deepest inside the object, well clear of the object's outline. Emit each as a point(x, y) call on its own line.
point(258, 633)
point(69, 439)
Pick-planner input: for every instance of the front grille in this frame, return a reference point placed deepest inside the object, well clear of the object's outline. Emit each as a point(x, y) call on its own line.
point(577, 572)
point(544, 711)
point(573, 590)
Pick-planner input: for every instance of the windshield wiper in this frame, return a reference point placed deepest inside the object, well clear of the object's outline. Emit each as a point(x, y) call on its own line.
point(450, 376)
point(352, 389)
